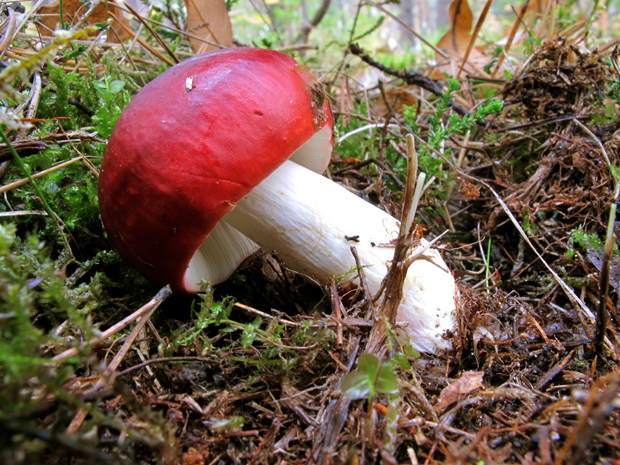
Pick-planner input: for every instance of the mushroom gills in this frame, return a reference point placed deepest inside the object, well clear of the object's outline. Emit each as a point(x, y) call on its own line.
point(307, 219)
point(315, 154)
point(219, 255)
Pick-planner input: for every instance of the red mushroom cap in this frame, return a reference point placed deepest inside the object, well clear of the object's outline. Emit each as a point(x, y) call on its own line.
point(192, 143)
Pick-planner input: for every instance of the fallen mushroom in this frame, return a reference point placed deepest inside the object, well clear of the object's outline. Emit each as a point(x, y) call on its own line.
point(196, 174)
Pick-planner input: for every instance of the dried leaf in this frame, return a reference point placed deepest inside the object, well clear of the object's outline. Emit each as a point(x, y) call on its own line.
point(397, 98)
point(72, 10)
point(209, 20)
point(469, 382)
point(537, 7)
point(455, 42)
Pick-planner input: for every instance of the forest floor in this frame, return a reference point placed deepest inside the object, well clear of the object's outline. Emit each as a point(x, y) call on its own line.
point(252, 370)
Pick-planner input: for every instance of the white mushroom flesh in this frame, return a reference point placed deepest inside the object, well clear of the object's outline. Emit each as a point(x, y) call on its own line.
point(307, 219)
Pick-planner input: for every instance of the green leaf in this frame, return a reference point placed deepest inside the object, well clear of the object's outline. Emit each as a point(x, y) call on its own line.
point(249, 333)
point(411, 352)
point(402, 361)
point(116, 87)
point(387, 382)
point(369, 364)
point(370, 377)
point(101, 89)
point(356, 385)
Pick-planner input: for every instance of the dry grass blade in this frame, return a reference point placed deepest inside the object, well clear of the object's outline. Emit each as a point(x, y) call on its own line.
point(153, 33)
point(40, 174)
point(107, 374)
point(392, 285)
point(511, 37)
point(569, 291)
point(8, 33)
point(412, 171)
point(474, 36)
point(543, 20)
point(410, 29)
point(551, 30)
point(602, 315)
point(148, 307)
point(143, 42)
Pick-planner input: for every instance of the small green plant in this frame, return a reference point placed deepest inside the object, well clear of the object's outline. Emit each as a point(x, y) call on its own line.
point(250, 332)
point(372, 377)
point(29, 284)
point(439, 132)
point(108, 113)
point(211, 312)
point(74, 51)
point(589, 242)
point(401, 357)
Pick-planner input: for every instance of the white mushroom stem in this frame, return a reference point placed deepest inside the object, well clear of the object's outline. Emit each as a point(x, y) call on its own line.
point(306, 218)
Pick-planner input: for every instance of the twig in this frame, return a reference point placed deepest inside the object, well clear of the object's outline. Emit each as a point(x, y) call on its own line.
point(554, 371)
point(314, 22)
point(602, 315)
point(267, 441)
point(118, 358)
point(21, 182)
point(410, 77)
point(152, 304)
point(23, 213)
point(511, 36)
point(368, 161)
point(337, 306)
point(143, 42)
point(155, 361)
point(8, 32)
point(474, 36)
point(171, 28)
point(406, 26)
point(153, 33)
point(265, 315)
point(370, 306)
point(78, 24)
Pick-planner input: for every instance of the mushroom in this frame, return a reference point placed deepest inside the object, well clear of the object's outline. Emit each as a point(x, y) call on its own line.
point(223, 152)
